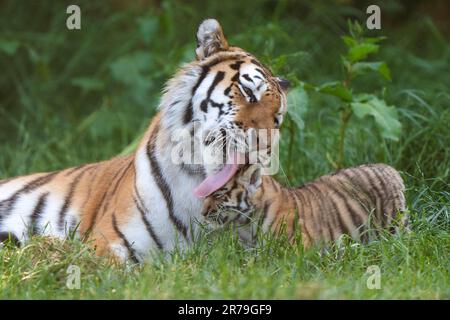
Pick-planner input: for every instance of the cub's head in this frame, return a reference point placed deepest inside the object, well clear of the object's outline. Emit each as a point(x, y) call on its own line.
point(222, 99)
point(236, 200)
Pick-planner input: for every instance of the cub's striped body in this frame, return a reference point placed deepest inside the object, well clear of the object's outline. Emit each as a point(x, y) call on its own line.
point(129, 206)
point(345, 202)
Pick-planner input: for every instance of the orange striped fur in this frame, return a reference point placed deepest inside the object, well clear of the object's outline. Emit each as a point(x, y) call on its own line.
point(348, 201)
point(133, 205)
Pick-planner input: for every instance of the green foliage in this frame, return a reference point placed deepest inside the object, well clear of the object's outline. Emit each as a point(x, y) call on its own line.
point(9, 46)
point(336, 89)
point(297, 106)
point(362, 105)
point(362, 68)
point(385, 116)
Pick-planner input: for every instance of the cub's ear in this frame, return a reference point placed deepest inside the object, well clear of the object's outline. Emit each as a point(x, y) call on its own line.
point(210, 39)
point(251, 178)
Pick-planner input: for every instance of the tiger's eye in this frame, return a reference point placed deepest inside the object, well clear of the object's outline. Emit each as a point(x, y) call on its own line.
point(250, 94)
point(248, 91)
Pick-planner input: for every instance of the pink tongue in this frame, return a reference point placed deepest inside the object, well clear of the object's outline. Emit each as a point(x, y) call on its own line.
point(218, 180)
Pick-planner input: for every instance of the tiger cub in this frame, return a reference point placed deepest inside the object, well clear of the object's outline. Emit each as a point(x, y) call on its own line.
point(349, 201)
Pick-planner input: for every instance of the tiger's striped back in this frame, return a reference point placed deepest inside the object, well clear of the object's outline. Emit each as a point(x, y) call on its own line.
point(350, 201)
point(62, 202)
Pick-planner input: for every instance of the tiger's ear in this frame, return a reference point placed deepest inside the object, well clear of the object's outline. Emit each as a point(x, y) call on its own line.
point(284, 84)
point(210, 39)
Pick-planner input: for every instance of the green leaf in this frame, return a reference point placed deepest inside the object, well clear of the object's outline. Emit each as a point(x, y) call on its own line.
point(133, 72)
point(374, 39)
point(129, 69)
point(88, 84)
point(307, 86)
point(385, 116)
point(148, 27)
point(361, 68)
point(9, 46)
point(297, 101)
point(361, 51)
point(337, 89)
point(349, 41)
point(288, 63)
point(355, 29)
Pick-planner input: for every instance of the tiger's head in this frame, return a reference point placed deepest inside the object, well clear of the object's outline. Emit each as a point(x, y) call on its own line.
point(221, 99)
point(237, 201)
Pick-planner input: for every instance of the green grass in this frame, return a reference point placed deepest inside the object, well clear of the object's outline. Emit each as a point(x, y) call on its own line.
point(73, 97)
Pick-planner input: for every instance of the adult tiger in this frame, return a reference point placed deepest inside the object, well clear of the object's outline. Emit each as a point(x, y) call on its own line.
point(130, 205)
point(352, 201)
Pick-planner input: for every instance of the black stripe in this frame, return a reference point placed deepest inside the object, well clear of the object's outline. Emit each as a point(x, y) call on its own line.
point(396, 188)
point(220, 59)
point(269, 73)
point(127, 244)
point(296, 221)
point(74, 169)
point(239, 196)
point(95, 214)
point(297, 195)
point(89, 190)
point(37, 212)
point(341, 223)
point(254, 61)
point(324, 214)
point(189, 113)
point(386, 191)
point(315, 217)
point(265, 210)
point(248, 92)
point(89, 195)
point(373, 188)
point(217, 105)
point(380, 178)
point(357, 193)
point(360, 180)
point(98, 207)
point(236, 65)
point(275, 185)
point(235, 78)
point(148, 226)
point(173, 104)
point(219, 77)
point(227, 91)
point(247, 77)
point(344, 194)
point(355, 181)
point(354, 217)
point(7, 205)
point(261, 72)
point(9, 237)
point(162, 185)
point(68, 198)
point(104, 205)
